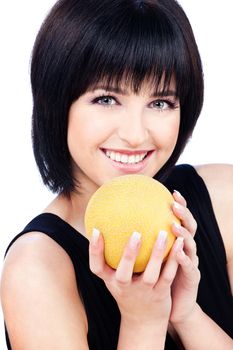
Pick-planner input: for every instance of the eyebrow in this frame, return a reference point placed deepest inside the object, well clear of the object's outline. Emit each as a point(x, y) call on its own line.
point(121, 91)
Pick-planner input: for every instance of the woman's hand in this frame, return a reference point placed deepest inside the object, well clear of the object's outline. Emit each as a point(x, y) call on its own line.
point(144, 298)
point(185, 285)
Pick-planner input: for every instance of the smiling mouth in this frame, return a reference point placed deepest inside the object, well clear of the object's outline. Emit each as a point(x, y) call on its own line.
point(126, 158)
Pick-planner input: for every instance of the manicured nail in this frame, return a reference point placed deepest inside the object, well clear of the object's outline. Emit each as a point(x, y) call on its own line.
point(178, 193)
point(178, 206)
point(134, 240)
point(161, 240)
point(177, 226)
point(179, 243)
point(95, 236)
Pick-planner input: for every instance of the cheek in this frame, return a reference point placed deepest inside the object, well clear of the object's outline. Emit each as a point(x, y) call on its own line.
point(173, 130)
point(166, 133)
point(86, 131)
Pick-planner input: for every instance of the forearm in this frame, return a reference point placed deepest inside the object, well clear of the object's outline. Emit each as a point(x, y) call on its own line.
point(140, 336)
point(200, 332)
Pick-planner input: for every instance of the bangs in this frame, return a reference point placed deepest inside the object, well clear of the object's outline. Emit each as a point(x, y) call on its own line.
point(119, 43)
point(133, 48)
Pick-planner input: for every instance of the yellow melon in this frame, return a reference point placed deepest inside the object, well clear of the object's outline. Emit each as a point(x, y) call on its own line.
point(126, 204)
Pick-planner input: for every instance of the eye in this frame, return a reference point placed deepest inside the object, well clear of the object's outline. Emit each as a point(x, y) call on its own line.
point(163, 104)
point(105, 100)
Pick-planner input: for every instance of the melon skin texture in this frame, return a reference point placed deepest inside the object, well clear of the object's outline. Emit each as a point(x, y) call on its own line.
point(126, 204)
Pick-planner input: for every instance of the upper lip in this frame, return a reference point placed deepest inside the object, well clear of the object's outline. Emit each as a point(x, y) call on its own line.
point(127, 152)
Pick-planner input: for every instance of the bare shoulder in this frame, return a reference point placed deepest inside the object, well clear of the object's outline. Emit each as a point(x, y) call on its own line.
point(216, 173)
point(219, 181)
point(40, 301)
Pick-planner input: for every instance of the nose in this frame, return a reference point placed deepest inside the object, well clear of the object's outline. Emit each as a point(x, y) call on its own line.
point(133, 130)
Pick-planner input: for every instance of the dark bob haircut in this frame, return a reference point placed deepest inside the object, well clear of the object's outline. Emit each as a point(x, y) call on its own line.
point(83, 42)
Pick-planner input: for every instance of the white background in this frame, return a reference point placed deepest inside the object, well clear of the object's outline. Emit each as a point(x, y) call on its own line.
point(22, 193)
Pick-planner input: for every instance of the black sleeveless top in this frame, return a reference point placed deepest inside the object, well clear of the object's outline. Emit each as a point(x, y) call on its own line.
point(214, 295)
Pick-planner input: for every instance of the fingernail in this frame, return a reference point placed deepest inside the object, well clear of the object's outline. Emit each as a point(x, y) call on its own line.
point(134, 240)
point(179, 243)
point(177, 206)
point(161, 240)
point(177, 226)
point(178, 193)
point(95, 236)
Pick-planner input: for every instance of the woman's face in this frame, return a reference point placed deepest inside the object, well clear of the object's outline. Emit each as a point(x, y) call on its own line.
point(115, 132)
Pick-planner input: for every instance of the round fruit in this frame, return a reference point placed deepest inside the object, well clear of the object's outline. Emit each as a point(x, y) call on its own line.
point(126, 204)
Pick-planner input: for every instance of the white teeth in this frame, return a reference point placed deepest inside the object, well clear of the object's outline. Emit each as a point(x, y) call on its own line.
point(112, 156)
point(138, 158)
point(118, 157)
point(124, 158)
point(132, 159)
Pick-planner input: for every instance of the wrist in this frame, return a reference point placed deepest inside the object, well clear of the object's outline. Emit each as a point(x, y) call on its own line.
point(149, 328)
point(137, 323)
point(191, 319)
point(140, 334)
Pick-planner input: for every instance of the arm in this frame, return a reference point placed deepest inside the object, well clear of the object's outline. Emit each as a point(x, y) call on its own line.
point(144, 300)
point(42, 308)
point(140, 336)
point(40, 302)
point(219, 180)
point(200, 332)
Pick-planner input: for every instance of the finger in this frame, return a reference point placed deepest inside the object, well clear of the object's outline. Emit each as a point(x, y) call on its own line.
point(190, 247)
point(96, 257)
point(124, 270)
point(179, 198)
point(186, 217)
point(189, 270)
point(170, 268)
point(152, 271)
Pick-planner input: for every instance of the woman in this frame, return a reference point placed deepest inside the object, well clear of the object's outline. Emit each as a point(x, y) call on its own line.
point(117, 88)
